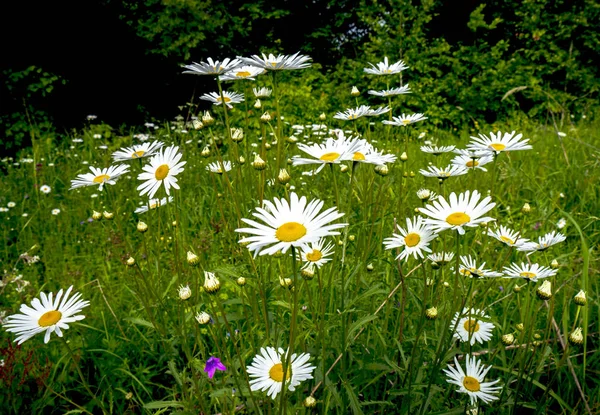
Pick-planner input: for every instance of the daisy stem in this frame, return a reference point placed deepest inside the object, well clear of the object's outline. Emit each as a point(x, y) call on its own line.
point(493, 175)
point(335, 187)
point(278, 115)
point(85, 384)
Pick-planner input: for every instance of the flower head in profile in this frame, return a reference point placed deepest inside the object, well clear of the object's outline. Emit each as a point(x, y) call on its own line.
point(262, 92)
point(543, 243)
point(441, 258)
point(241, 73)
point(384, 68)
point(451, 170)
point(211, 67)
point(333, 151)
point(471, 380)
point(163, 168)
point(137, 151)
point(286, 224)
point(267, 373)
point(507, 236)
point(228, 97)
point(98, 177)
point(279, 62)
point(500, 142)
point(370, 155)
point(414, 239)
point(153, 204)
point(50, 315)
point(437, 150)
point(469, 268)
point(405, 119)
point(316, 254)
point(392, 91)
point(212, 365)
point(218, 168)
point(530, 272)
point(472, 162)
point(463, 210)
point(471, 326)
point(352, 113)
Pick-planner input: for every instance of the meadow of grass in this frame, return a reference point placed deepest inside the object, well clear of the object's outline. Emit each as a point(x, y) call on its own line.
point(379, 330)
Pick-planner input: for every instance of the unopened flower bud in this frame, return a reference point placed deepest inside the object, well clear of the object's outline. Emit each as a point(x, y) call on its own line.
point(266, 117)
point(205, 152)
point(285, 282)
point(411, 174)
point(507, 339)
point(544, 291)
point(517, 288)
point(96, 215)
point(351, 238)
point(322, 117)
point(370, 267)
point(404, 156)
point(242, 160)
point(203, 318)
point(554, 264)
point(580, 298)
point(185, 292)
point(283, 177)
point(526, 208)
point(354, 92)
point(192, 258)
point(197, 124)
point(241, 281)
point(259, 163)
point(446, 284)
point(142, 227)
point(576, 337)
point(174, 223)
point(207, 119)
point(424, 194)
point(431, 313)
point(343, 168)
point(237, 135)
point(520, 326)
point(257, 104)
point(130, 261)
point(211, 283)
point(267, 146)
point(308, 273)
point(291, 139)
point(309, 402)
point(382, 170)
point(435, 265)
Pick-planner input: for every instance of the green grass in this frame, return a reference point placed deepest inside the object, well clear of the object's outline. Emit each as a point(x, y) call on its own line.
point(141, 350)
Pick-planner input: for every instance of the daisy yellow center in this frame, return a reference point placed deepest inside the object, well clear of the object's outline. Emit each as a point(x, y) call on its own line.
point(458, 218)
point(498, 146)
point(412, 239)
point(405, 122)
point(243, 74)
point(290, 232)
point(49, 318)
point(472, 163)
point(226, 99)
point(358, 156)
point(329, 156)
point(273, 64)
point(162, 172)
point(507, 240)
point(102, 178)
point(352, 116)
point(314, 256)
point(471, 384)
point(154, 205)
point(387, 71)
point(276, 372)
point(529, 275)
point(472, 326)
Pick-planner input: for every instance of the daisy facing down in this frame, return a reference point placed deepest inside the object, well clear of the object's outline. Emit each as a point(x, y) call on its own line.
point(99, 176)
point(471, 380)
point(50, 315)
point(163, 168)
point(463, 210)
point(415, 239)
point(266, 371)
point(296, 223)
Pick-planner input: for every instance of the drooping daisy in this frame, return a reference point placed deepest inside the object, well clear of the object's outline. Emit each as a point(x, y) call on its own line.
point(470, 327)
point(531, 272)
point(315, 254)
point(163, 168)
point(218, 168)
point(384, 68)
point(242, 72)
point(472, 162)
point(296, 223)
point(391, 92)
point(415, 238)
point(464, 210)
point(352, 113)
point(544, 242)
point(45, 189)
point(212, 67)
point(137, 151)
point(441, 258)
point(153, 204)
point(266, 371)
point(279, 62)
point(436, 151)
point(51, 314)
point(507, 236)
point(370, 155)
point(469, 268)
point(262, 92)
point(99, 176)
point(471, 380)
point(379, 111)
point(499, 143)
point(450, 171)
point(404, 119)
point(228, 97)
point(334, 150)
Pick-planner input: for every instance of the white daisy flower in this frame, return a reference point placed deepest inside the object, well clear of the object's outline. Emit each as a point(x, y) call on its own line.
point(370, 155)
point(153, 204)
point(531, 272)
point(507, 236)
point(384, 68)
point(472, 154)
point(55, 211)
point(378, 111)
point(472, 162)
point(266, 371)
point(441, 258)
point(471, 380)
point(470, 327)
point(45, 189)
point(544, 242)
point(353, 113)
point(450, 171)
point(436, 151)
point(50, 315)
point(426, 195)
point(391, 92)
point(464, 210)
point(218, 168)
point(296, 223)
point(11, 205)
point(404, 120)
point(228, 97)
point(212, 67)
point(415, 239)
point(163, 168)
point(499, 143)
point(99, 176)
point(242, 72)
point(137, 151)
point(334, 150)
point(262, 92)
point(279, 62)
point(562, 222)
point(469, 268)
point(315, 254)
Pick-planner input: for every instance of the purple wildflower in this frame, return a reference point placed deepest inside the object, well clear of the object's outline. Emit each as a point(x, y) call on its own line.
point(212, 364)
